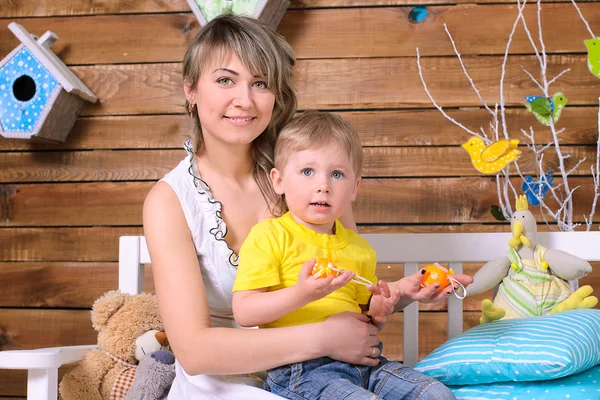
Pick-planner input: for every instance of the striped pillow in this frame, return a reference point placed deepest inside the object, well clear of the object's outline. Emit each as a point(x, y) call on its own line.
point(528, 349)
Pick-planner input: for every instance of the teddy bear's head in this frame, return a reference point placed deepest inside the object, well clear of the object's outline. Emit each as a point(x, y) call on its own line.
point(129, 326)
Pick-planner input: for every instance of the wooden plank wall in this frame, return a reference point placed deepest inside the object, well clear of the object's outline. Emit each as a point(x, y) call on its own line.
point(63, 207)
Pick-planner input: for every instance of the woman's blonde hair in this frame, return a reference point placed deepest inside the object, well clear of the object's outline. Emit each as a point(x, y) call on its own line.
point(312, 130)
point(266, 54)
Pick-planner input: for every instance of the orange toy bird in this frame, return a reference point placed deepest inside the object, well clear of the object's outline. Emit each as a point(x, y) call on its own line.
point(491, 159)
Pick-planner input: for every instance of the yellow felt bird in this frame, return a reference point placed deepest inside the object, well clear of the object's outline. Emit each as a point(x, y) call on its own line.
point(493, 158)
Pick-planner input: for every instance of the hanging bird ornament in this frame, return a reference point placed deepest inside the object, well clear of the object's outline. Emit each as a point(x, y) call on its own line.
point(593, 47)
point(544, 107)
point(536, 190)
point(493, 158)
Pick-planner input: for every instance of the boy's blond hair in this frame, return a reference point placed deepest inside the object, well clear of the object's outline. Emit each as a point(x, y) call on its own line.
point(312, 130)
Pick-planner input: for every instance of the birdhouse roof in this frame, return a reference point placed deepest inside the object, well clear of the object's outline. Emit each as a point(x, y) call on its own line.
point(40, 48)
point(269, 11)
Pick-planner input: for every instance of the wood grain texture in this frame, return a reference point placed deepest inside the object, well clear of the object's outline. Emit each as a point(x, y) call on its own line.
point(431, 201)
point(30, 329)
point(59, 285)
point(98, 244)
point(376, 129)
point(86, 204)
point(394, 82)
point(45, 8)
point(359, 3)
point(358, 83)
point(325, 33)
point(130, 165)
point(380, 201)
point(388, 32)
point(447, 228)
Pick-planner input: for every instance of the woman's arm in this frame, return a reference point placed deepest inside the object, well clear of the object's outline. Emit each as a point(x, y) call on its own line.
point(183, 305)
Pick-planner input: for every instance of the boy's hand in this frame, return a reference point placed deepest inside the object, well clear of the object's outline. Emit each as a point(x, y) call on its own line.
point(410, 286)
point(382, 302)
point(312, 288)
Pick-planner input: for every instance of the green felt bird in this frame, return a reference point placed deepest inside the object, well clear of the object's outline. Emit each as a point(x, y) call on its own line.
point(543, 107)
point(593, 46)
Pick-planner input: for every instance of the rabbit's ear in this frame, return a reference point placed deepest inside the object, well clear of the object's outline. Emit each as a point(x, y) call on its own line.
point(105, 307)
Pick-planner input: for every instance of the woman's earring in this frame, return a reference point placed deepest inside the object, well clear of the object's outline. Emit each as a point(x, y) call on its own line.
point(191, 108)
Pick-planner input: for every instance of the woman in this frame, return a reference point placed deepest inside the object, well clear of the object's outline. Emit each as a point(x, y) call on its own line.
point(238, 84)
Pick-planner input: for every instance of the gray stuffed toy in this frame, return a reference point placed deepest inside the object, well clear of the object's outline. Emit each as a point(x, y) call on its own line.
point(153, 377)
point(531, 280)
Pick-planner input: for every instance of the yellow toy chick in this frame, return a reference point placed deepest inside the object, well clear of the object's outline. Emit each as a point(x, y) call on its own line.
point(493, 158)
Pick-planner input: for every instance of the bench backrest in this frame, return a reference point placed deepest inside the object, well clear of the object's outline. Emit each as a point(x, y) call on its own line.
point(410, 250)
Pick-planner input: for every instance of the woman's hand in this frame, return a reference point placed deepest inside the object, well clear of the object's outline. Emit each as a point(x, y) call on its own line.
point(312, 288)
point(349, 337)
point(410, 287)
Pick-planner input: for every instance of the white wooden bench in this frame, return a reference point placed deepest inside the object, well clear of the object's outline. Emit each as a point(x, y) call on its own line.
point(408, 249)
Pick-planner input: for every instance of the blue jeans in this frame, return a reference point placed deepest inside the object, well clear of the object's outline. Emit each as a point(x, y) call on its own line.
point(327, 379)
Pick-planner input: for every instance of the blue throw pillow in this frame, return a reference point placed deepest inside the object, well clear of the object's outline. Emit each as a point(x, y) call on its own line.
point(582, 386)
point(528, 349)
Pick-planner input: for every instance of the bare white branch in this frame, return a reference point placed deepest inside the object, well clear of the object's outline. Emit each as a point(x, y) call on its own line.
point(543, 47)
point(595, 176)
point(558, 76)
point(583, 19)
point(545, 147)
point(505, 208)
point(569, 172)
point(494, 115)
point(503, 73)
point(532, 78)
point(528, 33)
point(440, 108)
point(496, 123)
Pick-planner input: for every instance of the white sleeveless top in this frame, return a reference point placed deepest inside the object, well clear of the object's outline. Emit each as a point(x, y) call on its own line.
point(218, 264)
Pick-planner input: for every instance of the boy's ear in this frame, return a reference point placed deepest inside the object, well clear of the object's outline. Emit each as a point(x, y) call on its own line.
point(355, 192)
point(276, 180)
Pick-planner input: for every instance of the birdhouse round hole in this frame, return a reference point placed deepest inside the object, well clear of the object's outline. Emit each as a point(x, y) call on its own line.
point(24, 88)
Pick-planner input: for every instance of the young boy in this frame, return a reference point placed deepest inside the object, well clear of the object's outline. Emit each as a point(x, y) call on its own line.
point(318, 161)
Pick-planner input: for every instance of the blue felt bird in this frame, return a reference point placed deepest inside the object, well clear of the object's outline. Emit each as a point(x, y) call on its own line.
point(536, 190)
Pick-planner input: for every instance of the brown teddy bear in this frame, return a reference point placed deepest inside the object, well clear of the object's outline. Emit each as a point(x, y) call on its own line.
point(129, 331)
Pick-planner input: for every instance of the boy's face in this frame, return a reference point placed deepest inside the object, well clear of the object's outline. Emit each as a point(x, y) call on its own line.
point(319, 186)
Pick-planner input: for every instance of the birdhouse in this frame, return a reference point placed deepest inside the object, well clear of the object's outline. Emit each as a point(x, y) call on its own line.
point(268, 11)
point(39, 96)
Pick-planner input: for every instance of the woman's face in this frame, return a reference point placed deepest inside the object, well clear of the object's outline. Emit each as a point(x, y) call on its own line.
point(234, 106)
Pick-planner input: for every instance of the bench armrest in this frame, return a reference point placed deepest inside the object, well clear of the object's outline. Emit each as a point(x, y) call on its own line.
point(51, 357)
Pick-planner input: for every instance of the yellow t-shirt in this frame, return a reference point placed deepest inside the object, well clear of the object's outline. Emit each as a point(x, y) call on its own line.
point(275, 250)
